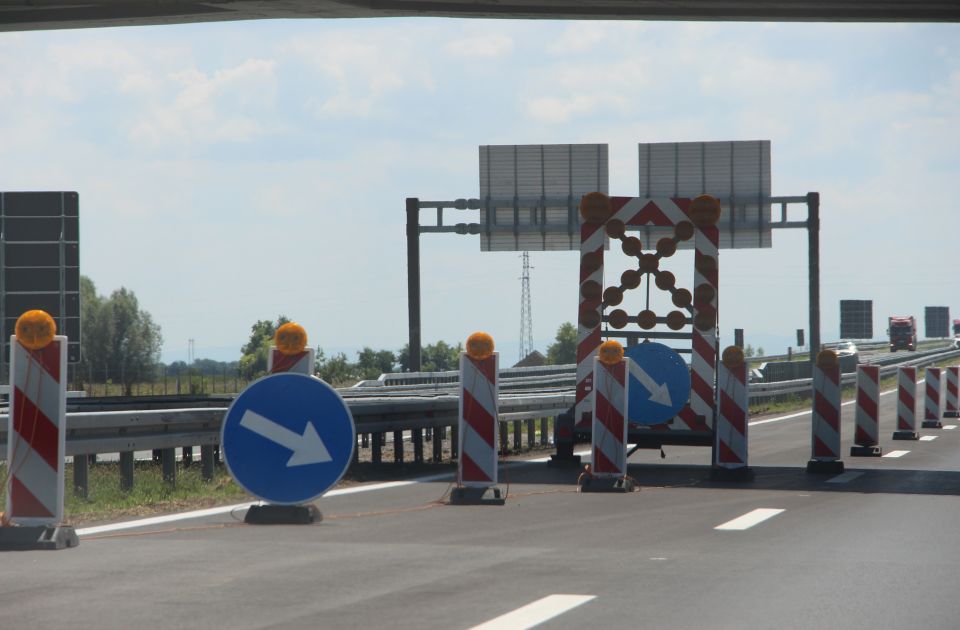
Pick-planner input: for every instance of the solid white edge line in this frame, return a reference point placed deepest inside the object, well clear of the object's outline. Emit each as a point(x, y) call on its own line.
point(807, 413)
point(896, 454)
point(225, 509)
point(749, 519)
point(535, 613)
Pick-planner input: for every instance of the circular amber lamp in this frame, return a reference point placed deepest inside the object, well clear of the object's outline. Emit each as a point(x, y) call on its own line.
point(35, 329)
point(705, 210)
point(290, 339)
point(479, 346)
point(610, 353)
point(826, 359)
point(595, 207)
point(732, 357)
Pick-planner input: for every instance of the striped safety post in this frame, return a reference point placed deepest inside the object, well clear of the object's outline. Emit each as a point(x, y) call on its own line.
point(36, 438)
point(609, 422)
point(289, 352)
point(825, 429)
point(953, 381)
point(733, 410)
point(906, 404)
point(478, 433)
point(931, 399)
point(867, 431)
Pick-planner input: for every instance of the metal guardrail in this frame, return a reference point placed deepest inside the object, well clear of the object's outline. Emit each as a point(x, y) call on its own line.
point(97, 426)
point(118, 431)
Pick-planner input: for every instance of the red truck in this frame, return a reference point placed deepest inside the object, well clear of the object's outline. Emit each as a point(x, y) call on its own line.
point(903, 333)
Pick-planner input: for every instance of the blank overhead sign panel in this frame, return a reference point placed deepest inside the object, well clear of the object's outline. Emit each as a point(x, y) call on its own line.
point(40, 259)
point(530, 194)
point(738, 173)
point(856, 319)
point(937, 322)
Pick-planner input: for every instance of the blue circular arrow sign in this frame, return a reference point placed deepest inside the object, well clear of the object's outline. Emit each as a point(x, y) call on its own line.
point(288, 438)
point(659, 383)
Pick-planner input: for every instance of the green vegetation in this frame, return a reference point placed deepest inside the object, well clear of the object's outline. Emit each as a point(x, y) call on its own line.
point(150, 495)
point(564, 350)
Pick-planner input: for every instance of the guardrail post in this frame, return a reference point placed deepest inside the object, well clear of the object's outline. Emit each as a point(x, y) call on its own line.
point(126, 470)
point(517, 436)
point(398, 447)
point(168, 459)
point(504, 446)
point(417, 446)
point(544, 431)
point(81, 476)
point(437, 446)
point(531, 433)
point(365, 440)
point(454, 442)
point(187, 456)
point(377, 454)
point(206, 461)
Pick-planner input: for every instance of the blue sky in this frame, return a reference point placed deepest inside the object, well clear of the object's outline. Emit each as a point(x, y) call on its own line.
point(232, 172)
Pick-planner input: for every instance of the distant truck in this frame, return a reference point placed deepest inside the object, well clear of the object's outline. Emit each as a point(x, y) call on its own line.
point(903, 333)
point(956, 327)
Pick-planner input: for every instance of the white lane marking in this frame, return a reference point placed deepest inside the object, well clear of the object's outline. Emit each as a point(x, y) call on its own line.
point(226, 509)
point(749, 519)
point(928, 438)
point(896, 453)
point(949, 427)
point(807, 413)
point(535, 613)
point(846, 477)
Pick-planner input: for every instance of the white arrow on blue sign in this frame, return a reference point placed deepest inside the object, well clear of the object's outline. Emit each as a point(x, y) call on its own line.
point(659, 383)
point(288, 438)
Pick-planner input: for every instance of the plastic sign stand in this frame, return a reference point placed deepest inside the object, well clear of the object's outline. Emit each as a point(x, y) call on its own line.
point(287, 439)
point(733, 413)
point(611, 398)
point(36, 445)
point(867, 429)
point(906, 404)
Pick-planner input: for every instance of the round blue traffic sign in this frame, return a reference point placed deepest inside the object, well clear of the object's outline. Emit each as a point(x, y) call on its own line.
point(659, 383)
point(288, 438)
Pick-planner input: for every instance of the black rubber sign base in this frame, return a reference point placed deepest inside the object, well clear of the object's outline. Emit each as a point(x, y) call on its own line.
point(49, 537)
point(270, 514)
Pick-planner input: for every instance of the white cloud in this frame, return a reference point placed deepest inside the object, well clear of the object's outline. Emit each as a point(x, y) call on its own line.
point(488, 46)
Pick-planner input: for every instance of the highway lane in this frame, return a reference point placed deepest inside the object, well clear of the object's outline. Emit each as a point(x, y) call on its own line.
point(876, 551)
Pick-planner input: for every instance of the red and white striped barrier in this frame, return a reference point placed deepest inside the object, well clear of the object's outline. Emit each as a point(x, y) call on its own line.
point(36, 440)
point(609, 430)
point(478, 434)
point(826, 418)
point(299, 363)
point(732, 413)
point(953, 381)
point(659, 213)
point(931, 399)
point(906, 404)
point(866, 435)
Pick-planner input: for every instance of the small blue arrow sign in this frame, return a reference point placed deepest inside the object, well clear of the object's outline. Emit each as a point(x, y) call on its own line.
point(288, 438)
point(659, 383)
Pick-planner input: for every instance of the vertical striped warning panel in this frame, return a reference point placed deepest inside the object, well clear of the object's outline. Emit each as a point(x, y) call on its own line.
point(36, 439)
point(478, 439)
point(868, 405)
point(299, 363)
point(953, 380)
point(589, 316)
point(703, 361)
point(826, 413)
point(732, 410)
point(906, 404)
point(609, 430)
point(931, 399)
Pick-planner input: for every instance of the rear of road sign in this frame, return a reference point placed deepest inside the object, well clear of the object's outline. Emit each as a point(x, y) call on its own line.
point(288, 438)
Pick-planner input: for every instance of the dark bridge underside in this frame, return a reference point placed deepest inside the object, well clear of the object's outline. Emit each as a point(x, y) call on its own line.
point(17, 15)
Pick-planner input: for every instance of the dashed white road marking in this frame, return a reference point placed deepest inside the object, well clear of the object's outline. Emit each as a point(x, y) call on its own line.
point(949, 427)
point(535, 613)
point(846, 477)
point(928, 438)
point(749, 519)
point(896, 454)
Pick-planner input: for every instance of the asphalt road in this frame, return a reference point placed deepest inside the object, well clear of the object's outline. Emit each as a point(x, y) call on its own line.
point(876, 548)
